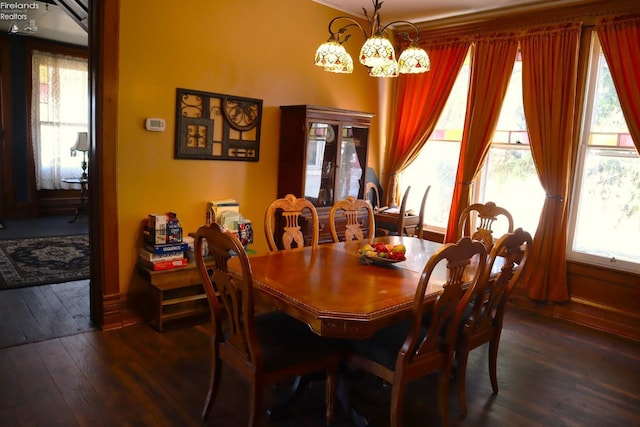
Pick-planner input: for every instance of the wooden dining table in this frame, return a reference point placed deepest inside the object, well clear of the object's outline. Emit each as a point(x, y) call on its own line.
point(341, 295)
point(336, 292)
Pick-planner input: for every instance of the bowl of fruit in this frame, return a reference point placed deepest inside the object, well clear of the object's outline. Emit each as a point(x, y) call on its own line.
point(383, 253)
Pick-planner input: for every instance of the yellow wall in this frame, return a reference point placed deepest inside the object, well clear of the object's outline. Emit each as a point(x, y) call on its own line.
point(253, 48)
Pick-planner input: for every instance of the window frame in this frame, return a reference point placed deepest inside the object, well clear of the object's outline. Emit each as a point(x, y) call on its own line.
point(580, 159)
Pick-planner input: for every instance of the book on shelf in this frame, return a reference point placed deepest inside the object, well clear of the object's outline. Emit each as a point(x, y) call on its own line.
point(164, 265)
point(167, 248)
point(147, 255)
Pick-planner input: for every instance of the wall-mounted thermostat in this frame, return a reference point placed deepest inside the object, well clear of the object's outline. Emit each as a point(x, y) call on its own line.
point(155, 125)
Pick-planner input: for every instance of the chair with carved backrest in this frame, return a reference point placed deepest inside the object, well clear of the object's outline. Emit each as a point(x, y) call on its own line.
point(482, 323)
point(289, 209)
point(351, 208)
point(409, 350)
point(486, 215)
point(264, 349)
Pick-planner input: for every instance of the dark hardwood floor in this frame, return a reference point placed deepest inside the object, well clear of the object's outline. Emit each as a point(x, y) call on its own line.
point(43, 312)
point(550, 374)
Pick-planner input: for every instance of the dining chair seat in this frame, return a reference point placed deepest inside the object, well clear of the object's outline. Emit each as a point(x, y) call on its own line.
point(277, 331)
point(383, 347)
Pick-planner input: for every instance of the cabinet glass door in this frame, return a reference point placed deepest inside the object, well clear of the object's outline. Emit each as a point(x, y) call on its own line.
point(321, 163)
point(350, 173)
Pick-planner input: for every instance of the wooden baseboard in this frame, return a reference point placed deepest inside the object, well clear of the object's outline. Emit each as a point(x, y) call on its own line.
point(119, 312)
point(621, 323)
point(111, 318)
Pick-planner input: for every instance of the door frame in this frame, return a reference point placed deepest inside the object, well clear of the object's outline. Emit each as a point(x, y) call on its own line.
point(106, 300)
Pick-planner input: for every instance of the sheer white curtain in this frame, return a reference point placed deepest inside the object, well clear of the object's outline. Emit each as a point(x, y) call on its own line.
point(59, 110)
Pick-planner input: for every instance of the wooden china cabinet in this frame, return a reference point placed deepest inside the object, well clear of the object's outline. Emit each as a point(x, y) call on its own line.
point(323, 156)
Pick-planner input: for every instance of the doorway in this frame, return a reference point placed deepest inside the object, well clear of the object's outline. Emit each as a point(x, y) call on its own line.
point(42, 311)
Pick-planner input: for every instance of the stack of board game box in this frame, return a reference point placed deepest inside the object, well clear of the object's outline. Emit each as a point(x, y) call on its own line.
point(163, 246)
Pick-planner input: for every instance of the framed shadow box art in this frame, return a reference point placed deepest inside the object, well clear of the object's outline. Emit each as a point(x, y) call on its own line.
point(213, 126)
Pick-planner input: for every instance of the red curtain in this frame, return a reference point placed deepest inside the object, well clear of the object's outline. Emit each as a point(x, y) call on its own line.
point(620, 40)
point(549, 80)
point(420, 99)
point(491, 68)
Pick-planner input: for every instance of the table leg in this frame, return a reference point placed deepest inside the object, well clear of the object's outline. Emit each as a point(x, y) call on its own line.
point(355, 417)
point(302, 382)
point(299, 385)
point(80, 208)
point(75, 216)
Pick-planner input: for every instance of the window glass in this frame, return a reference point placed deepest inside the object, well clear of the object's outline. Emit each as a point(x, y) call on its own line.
point(436, 166)
point(605, 220)
point(608, 209)
point(60, 108)
point(508, 177)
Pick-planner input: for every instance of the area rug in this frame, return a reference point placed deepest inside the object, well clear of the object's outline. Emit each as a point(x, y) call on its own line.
point(43, 260)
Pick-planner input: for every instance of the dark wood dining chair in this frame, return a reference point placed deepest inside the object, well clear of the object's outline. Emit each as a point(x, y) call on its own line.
point(482, 323)
point(485, 215)
point(402, 215)
point(289, 231)
point(263, 349)
point(372, 194)
point(350, 209)
point(398, 227)
point(408, 350)
point(423, 206)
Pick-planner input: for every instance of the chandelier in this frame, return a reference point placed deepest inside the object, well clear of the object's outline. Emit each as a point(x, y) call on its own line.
point(377, 52)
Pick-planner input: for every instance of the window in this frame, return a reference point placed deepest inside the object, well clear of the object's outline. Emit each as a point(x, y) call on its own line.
point(437, 162)
point(508, 177)
point(605, 219)
point(604, 225)
point(60, 109)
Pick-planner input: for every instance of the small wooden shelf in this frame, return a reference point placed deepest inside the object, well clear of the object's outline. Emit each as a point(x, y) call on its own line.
point(176, 293)
point(183, 314)
point(184, 299)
